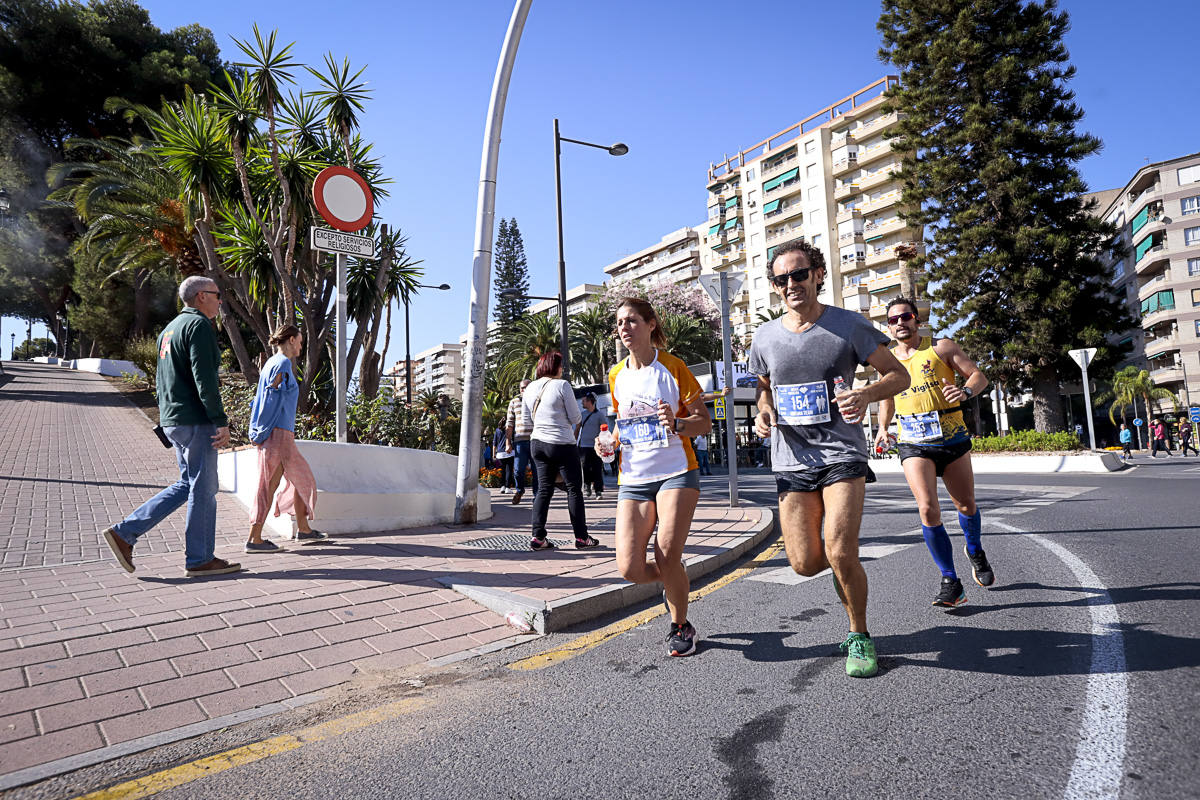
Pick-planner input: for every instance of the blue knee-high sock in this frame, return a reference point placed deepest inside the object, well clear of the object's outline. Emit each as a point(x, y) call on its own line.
point(938, 542)
point(970, 528)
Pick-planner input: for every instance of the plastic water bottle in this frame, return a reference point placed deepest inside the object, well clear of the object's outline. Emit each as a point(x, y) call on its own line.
point(608, 445)
point(839, 386)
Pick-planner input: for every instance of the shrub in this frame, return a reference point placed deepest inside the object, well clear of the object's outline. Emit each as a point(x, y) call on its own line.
point(489, 477)
point(143, 352)
point(1027, 441)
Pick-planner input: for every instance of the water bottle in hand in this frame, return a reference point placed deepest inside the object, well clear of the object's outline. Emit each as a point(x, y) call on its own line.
point(840, 386)
point(608, 446)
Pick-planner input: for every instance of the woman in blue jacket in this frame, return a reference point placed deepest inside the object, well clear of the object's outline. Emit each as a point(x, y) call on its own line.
point(273, 431)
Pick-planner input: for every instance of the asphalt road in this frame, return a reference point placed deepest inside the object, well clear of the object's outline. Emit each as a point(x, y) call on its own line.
point(1076, 675)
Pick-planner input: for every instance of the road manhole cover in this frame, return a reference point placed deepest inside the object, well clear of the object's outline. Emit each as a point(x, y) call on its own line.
point(510, 541)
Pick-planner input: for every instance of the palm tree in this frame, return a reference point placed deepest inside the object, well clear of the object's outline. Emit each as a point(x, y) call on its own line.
point(342, 99)
point(1130, 384)
point(593, 343)
point(524, 342)
point(688, 338)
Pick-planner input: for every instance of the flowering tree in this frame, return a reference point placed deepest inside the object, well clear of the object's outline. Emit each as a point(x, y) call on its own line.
point(666, 297)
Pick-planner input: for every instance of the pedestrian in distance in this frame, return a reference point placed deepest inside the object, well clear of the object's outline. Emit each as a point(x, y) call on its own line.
point(659, 406)
point(1158, 438)
point(193, 420)
point(518, 442)
point(1126, 437)
point(505, 457)
point(1185, 437)
point(273, 433)
point(593, 467)
point(551, 414)
point(819, 456)
point(934, 442)
point(700, 444)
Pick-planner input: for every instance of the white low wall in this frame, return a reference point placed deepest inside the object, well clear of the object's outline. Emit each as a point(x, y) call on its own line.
point(45, 360)
point(984, 463)
point(106, 366)
point(361, 487)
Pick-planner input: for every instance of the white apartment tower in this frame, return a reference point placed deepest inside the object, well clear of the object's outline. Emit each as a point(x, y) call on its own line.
point(828, 179)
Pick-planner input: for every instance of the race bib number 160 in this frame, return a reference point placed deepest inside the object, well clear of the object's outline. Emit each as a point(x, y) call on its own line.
point(642, 433)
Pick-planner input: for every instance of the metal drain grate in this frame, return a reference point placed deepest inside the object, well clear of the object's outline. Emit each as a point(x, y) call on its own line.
point(510, 541)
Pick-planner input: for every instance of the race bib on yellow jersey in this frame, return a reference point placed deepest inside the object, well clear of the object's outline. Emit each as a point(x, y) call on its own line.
point(920, 428)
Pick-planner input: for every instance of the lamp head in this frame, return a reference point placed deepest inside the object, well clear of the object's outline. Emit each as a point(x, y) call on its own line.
point(618, 149)
point(510, 293)
point(444, 286)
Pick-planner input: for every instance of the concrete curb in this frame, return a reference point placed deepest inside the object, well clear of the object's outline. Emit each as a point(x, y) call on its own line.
point(560, 614)
point(1032, 464)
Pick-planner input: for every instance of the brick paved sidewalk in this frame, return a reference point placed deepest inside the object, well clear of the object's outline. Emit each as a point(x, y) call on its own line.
point(91, 657)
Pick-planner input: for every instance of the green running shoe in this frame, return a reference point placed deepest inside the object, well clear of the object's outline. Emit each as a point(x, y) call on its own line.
point(860, 656)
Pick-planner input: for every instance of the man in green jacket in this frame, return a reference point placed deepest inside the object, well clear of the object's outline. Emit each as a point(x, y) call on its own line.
point(193, 419)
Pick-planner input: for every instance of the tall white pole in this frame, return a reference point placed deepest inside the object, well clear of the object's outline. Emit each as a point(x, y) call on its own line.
point(339, 368)
point(730, 392)
point(1087, 404)
point(467, 481)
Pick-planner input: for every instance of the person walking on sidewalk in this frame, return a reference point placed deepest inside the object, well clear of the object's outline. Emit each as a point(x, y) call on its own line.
point(551, 414)
point(193, 420)
point(700, 444)
point(593, 467)
point(934, 442)
point(819, 456)
point(273, 432)
point(1126, 436)
point(1185, 437)
point(518, 442)
point(504, 455)
point(1158, 438)
point(659, 407)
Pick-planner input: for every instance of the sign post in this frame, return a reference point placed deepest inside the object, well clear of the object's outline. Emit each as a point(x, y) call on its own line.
point(1083, 357)
point(721, 287)
point(344, 200)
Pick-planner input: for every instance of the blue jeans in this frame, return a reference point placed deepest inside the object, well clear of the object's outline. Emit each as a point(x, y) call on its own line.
point(702, 462)
point(523, 461)
point(197, 486)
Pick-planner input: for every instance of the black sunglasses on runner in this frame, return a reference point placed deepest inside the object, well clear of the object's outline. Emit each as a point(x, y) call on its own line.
point(797, 275)
point(904, 317)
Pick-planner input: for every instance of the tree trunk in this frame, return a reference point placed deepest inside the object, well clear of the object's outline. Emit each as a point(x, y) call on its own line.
point(1048, 411)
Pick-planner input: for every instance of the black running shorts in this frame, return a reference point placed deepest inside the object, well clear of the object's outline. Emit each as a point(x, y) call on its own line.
point(813, 480)
point(942, 455)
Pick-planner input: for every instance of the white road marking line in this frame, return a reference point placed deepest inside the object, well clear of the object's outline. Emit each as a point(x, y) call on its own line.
point(787, 577)
point(1100, 754)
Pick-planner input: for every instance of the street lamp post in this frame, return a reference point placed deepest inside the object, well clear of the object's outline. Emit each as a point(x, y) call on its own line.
point(407, 351)
point(617, 149)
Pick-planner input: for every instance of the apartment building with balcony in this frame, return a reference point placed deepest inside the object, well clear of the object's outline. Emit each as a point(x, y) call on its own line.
point(674, 259)
point(438, 369)
point(1158, 214)
point(828, 179)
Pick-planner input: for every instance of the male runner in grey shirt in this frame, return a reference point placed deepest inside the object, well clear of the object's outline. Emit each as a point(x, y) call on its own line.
point(819, 450)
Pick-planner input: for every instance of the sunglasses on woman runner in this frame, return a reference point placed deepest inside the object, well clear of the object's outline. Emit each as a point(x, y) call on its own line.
point(797, 275)
point(904, 317)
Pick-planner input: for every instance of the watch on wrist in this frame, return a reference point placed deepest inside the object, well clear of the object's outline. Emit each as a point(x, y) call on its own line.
point(967, 391)
point(678, 425)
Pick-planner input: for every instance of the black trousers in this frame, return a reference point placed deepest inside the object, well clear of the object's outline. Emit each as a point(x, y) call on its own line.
point(548, 461)
point(593, 470)
point(507, 475)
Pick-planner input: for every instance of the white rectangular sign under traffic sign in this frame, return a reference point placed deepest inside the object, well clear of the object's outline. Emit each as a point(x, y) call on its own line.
point(331, 241)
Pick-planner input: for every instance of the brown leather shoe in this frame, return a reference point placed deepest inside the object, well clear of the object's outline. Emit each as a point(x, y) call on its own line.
point(218, 566)
point(517, 497)
point(122, 549)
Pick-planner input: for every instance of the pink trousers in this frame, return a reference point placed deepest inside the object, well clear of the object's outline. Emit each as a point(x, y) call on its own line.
point(298, 482)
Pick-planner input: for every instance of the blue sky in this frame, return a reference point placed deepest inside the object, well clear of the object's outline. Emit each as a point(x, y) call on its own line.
point(682, 83)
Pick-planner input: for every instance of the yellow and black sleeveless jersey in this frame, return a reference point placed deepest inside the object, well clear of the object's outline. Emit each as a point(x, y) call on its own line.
point(923, 415)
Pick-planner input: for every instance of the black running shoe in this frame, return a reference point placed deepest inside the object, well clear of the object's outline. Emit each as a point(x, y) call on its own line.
point(981, 570)
point(951, 593)
point(540, 544)
point(681, 640)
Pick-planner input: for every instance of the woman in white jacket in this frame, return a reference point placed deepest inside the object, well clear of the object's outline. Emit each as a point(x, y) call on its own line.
point(549, 406)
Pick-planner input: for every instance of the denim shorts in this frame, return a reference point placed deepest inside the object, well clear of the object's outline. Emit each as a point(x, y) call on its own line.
point(649, 491)
point(813, 480)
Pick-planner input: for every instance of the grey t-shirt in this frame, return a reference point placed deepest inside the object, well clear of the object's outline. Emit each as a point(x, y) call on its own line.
point(802, 368)
point(589, 429)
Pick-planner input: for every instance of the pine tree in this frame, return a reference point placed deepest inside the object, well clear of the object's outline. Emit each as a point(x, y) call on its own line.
point(512, 272)
point(988, 125)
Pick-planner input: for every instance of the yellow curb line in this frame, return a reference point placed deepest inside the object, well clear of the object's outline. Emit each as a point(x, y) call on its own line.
point(590, 640)
point(256, 751)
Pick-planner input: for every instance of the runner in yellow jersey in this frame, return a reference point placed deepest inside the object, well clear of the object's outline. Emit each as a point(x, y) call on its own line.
point(934, 442)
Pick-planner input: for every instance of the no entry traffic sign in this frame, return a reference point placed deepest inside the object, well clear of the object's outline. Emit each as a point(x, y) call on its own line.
point(343, 198)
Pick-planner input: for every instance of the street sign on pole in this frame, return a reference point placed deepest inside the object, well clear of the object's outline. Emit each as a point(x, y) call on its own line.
point(343, 199)
point(719, 408)
point(721, 287)
point(1194, 413)
point(331, 241)
point(1083, 357)
point(1138, 422)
